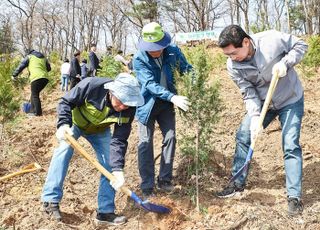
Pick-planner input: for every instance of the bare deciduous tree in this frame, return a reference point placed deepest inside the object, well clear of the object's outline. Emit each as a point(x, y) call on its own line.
point(74, 24)
point(26, 11)
point(194, 15)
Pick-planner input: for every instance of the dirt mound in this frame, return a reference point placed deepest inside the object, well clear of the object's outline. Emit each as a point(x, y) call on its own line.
point(261, 206)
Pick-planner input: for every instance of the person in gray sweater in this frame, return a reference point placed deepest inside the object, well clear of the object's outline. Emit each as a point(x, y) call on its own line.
point(252, 62)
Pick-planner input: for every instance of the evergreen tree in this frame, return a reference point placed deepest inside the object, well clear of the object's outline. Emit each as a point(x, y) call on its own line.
point(203, 113)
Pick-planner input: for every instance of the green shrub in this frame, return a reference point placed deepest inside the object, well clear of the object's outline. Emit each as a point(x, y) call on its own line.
point(54, 74)
point(219, 60)
point(85, 55)
point(311, 61)
point(9, 96)
point(312, 58)
point(110, 67)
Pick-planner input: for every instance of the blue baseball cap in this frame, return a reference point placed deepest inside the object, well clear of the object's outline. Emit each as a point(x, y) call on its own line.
point(153, 38)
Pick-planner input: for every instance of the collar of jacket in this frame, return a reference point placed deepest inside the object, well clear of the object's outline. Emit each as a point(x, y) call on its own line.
point(165, 57)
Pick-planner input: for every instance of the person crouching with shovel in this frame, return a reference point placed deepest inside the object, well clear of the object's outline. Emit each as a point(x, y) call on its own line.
point(88, 110)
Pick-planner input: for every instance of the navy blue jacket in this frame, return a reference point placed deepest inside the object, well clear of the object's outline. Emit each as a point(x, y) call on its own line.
point(149, 74)
point(75, 68)
point(84, 71)
point(94, 62)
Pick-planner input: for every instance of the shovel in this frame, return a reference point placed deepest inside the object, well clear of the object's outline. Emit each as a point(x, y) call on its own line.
point(29, 168)
point(264, 110)
point(146, 205)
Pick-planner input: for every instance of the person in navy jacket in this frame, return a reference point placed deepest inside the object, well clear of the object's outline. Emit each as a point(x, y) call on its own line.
point(154, 65)
point(94, 61)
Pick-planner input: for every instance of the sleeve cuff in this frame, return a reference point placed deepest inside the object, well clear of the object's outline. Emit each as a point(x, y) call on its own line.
point(117, 169)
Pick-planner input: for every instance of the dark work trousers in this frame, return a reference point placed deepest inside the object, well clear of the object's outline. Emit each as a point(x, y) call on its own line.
point(74, 81)
point(162, 112)
point(36, 87)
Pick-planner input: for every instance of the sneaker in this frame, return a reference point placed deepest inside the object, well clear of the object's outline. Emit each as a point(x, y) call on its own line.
point(109, 219)
point(165, 186)
point(53, 210)
point(295, 206)
point(229, 191)
point(147, 194)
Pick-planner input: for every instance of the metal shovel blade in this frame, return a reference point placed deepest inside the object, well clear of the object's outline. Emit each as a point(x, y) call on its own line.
point(146, 205)
point(245, 167)
point(264, 110)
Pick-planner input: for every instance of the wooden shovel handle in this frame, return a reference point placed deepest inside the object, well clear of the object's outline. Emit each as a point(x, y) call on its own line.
point(79, 149)
point(266, 103)
point(29, 168)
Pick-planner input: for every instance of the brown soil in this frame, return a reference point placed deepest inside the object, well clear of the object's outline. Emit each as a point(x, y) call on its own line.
point(261, 206)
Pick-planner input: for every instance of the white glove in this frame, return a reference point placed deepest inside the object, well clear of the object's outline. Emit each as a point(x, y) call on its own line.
point(62, 130)
point(13, 78)
point(181, 101)
point(254, 127)
point(118, 181)
point(279, 68)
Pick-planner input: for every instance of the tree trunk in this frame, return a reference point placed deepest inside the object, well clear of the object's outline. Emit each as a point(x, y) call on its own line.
point(288, 16)
point(231, 11)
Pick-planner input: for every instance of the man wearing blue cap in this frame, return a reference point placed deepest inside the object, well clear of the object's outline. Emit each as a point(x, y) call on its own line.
point(88, 110)
point(154, 65)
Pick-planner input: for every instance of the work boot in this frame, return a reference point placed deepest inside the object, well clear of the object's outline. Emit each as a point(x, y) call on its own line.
point(295, 206)
point(53, 210)
point(229, 191)
point(165, 186)
point(109, 219)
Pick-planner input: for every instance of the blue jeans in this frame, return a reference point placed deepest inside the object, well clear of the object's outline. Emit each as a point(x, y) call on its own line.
point(162, 112)
point(290, 118)
point(53, 187)
point(64, 82)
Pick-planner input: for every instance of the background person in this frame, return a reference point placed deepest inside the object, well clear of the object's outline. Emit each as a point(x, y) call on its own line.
point(94, 61)
point(75, 70)
point(38, 67)
point(84, 69)
point(65, 74)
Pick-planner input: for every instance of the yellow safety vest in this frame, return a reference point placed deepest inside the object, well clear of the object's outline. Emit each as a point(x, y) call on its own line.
point(91, 120)
point(37, 68)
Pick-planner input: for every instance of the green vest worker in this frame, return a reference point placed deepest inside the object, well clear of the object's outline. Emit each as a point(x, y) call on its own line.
point(88, 110)
point(38, 67)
